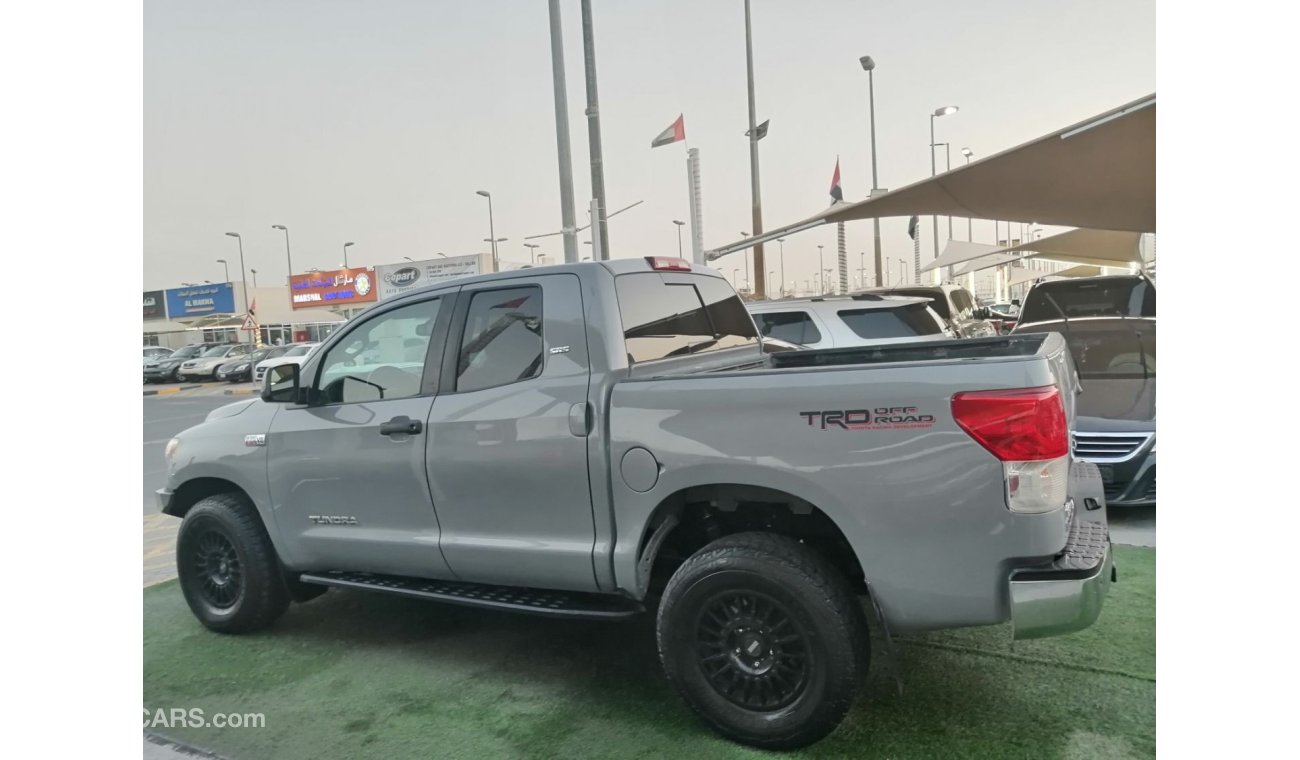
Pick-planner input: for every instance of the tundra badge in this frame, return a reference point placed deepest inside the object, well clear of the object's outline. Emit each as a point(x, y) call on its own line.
point(258, 439)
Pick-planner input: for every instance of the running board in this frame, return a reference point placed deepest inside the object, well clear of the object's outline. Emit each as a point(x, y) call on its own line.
point(570, 604)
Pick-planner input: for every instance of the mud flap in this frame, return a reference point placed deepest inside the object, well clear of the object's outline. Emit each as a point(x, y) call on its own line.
point(891, 653)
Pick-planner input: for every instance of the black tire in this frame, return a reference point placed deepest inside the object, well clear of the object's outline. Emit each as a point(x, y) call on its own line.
point(228, 569)
point(760, 591)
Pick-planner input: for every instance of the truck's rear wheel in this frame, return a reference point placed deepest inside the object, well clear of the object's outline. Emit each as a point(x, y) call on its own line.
point(764, 639)
point(227, 566)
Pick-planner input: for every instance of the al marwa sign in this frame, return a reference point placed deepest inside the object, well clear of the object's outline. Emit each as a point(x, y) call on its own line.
point(337, 288)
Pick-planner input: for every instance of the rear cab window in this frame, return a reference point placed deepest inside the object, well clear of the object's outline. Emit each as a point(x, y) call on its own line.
point(1089, 298)
point(669, 315)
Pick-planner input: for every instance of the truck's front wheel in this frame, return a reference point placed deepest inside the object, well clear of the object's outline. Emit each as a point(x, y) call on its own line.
point(227, 566)
point(764, 639)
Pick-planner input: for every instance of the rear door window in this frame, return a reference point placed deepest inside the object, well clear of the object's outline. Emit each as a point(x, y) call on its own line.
point(901, 322)
point(681, 315)
point(792, 326)
point(502, 342)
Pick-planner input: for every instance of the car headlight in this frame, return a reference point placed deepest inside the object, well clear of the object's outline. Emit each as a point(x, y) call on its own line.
point(170, 450)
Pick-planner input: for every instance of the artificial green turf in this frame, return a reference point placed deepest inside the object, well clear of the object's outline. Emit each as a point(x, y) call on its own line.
point(354, 675)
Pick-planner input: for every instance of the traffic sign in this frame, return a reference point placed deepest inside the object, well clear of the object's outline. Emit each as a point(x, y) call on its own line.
point(249, 325)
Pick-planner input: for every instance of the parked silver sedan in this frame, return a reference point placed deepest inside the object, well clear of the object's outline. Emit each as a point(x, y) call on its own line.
point(204, 366)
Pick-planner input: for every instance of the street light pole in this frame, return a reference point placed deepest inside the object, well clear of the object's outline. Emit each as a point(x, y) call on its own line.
point(345, 253)
point(759, 264)
point(567, 223)
point(870, 67)
point(532, 252)
point(242, 280)
point(254, 271)
point(944, 111)
point(288, 258)
point(967, 152)
point(781, 242)
point(821, 262)
point(492, 230)
point(735, 278)
point(225, 266)
point(679, 237)
point(599, 225)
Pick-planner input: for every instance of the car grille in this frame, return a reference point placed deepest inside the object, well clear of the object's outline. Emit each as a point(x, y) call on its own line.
point(1108, 447)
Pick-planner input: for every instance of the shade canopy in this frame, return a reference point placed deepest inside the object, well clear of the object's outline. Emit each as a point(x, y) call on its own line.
point(1099, 174)
point(1102, 248)
point(958, 251)
point(984, 262)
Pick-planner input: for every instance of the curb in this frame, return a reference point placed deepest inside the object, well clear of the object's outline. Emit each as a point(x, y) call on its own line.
point(243, 392)
point(169, 391)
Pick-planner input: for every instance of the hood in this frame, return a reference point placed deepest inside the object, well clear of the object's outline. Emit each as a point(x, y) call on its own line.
point(228, 363)
point(230, 410)
point(1116, 404)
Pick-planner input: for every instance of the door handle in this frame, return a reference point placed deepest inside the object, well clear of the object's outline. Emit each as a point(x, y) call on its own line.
point(401, 426)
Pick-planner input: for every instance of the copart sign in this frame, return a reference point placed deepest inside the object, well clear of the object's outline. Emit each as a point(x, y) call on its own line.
point(395, 279)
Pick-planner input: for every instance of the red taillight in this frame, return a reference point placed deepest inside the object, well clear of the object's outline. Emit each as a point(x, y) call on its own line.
point(668, 263)
point(1015, 425)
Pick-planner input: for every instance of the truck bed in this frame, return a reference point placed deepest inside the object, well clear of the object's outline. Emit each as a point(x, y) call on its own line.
point(971, 348)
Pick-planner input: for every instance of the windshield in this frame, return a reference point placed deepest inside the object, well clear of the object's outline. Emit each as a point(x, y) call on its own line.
point(1117, 350)
point(1107, 297)
point(298, 350)
point(259, 355)
point(216, 351)
point(186, 352)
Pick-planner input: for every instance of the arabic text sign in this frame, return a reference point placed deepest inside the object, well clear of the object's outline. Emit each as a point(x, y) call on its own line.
point(395, 279)
point(339, 287)
point(200, 300)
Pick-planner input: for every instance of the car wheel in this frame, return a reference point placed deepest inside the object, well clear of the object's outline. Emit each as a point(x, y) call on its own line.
point(227, 566)
point(764, 639)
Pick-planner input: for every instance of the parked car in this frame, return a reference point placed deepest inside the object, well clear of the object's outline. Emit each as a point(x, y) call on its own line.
point(1003, 316)
point(154, 353)
point(1115, 356)
point(204, 366)
point(598, 440)
point(164, 370)
point(953, 303)
point(860, 320)
point(1126, 295)
point(240, 369)
point(294, 353)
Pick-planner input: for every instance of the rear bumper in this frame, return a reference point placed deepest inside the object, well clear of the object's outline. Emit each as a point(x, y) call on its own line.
point(1068, 594)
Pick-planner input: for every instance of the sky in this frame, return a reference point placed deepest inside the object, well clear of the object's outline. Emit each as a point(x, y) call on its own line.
point(376, 122)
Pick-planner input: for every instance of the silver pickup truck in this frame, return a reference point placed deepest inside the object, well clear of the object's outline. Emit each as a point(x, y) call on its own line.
point(607, 439)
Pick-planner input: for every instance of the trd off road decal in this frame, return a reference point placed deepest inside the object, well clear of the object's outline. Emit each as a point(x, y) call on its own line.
point(879, 418)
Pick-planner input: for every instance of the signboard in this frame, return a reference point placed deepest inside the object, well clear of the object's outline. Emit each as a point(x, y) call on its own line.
point(200, 300)
point(249, 325)
point(154, 305)
point(336, 288)
point(395, 279)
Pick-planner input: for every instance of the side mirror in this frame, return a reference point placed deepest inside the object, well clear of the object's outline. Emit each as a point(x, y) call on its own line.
point(280, 385)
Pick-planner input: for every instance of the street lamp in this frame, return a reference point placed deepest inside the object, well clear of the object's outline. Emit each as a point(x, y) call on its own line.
point(679, 237)
point(869, 66)
point(242, 279)
point(345, 254)
point(532, 251)
point(735, 278)
point(947, 163)
point(944, 111)
point(492, 230)
point(408, 258)
point(225, 266)
point(781, 242)
point(254, 271)
point(287, 257)
point(902, 268)
point(442, 255)
point(968, 153)
point(821, 263)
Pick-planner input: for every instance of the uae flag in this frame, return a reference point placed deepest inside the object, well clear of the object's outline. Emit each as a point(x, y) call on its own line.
point(836, 193)
point(911, 227)
point(673, 134)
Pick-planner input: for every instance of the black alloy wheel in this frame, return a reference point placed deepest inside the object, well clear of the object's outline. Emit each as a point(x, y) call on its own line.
point(218, 568)
point(753, 650)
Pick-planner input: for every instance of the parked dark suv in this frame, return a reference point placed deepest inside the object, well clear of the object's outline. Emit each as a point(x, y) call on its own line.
point(1110, 325)
point(952, 302)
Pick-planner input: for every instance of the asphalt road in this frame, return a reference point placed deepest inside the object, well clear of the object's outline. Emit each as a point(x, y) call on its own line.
point(164, 417)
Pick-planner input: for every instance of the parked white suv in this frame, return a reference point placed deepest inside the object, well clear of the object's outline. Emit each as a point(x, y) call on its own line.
point(859, 320)
point(297, 354)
